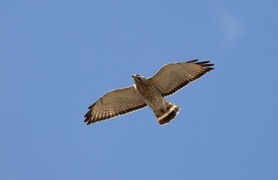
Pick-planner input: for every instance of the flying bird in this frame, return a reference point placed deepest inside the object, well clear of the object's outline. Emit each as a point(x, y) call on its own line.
point(149, 92)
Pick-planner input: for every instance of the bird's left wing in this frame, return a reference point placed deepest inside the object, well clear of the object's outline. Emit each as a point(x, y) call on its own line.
point(114, 103)
point(173, 77)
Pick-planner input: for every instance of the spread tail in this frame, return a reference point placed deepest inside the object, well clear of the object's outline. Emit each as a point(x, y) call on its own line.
point(166, 114)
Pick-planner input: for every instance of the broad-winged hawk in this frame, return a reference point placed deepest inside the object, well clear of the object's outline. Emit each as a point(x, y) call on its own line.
point(149, 91)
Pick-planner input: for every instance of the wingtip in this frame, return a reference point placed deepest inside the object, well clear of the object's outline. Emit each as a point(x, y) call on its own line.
point(87, 117)
point(194, 60)
point(87, 121)
point(205, 64)
point(202, 62)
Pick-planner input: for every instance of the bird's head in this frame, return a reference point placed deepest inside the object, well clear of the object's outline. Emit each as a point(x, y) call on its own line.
point(138, 78)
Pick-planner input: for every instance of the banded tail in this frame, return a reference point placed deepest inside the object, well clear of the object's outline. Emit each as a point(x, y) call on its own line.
point(166, 114)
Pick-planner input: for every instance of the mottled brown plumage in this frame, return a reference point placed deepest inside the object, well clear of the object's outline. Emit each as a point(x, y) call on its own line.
point(149, 91)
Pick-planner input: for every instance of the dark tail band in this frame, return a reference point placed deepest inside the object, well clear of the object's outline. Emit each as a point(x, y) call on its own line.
point(164, 117)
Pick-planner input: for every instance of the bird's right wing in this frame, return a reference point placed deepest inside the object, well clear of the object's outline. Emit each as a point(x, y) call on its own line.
point(114, 103)
point(173, 77)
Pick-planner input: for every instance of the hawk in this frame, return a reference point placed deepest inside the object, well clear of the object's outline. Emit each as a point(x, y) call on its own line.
point(149, 91)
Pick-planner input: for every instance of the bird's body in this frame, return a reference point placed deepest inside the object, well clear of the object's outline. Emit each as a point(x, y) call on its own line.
point(164, 110)
point(149, 91)
point(142, 85)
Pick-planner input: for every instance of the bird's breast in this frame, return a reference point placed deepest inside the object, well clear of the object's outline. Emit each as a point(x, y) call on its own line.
point(150, 94)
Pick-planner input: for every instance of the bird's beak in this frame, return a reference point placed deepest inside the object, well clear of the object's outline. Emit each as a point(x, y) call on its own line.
point(135, 78)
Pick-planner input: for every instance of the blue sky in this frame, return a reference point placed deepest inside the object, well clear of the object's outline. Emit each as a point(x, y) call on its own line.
point(58, 57)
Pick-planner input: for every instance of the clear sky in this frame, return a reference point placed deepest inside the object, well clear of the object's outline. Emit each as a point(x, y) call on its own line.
point(58, 57)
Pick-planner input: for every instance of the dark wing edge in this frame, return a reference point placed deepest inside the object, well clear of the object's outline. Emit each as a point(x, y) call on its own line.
point(206, 67)
point(90, 117)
